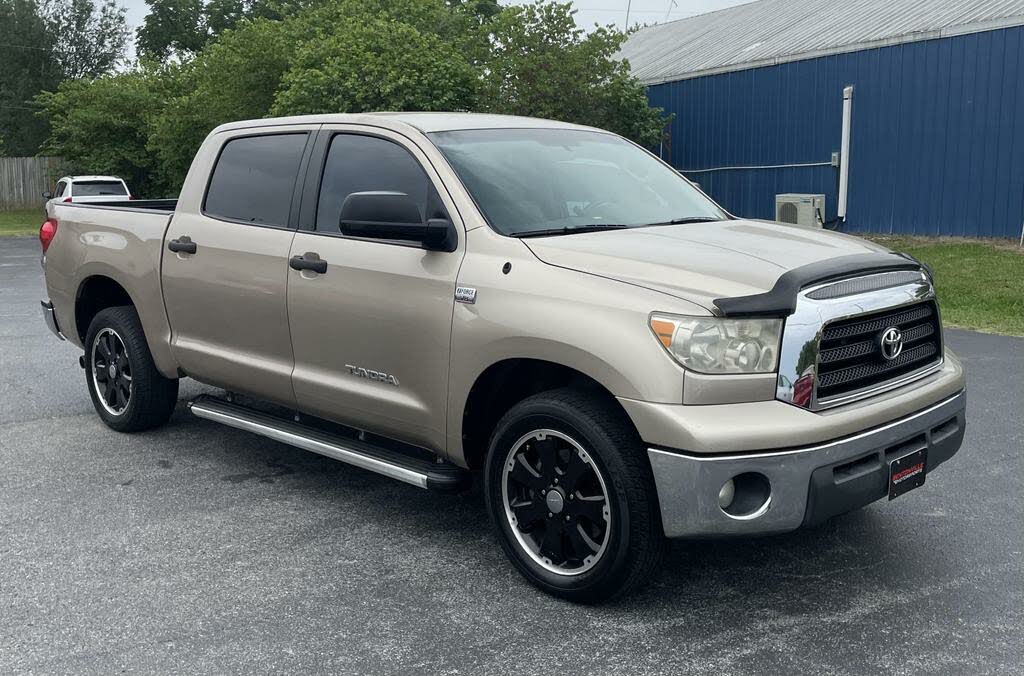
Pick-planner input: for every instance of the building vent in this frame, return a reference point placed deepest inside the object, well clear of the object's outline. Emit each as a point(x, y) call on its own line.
point(800, 209)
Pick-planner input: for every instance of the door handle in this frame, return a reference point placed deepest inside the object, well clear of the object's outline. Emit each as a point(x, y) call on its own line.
point(312, 264)
point(183, 244)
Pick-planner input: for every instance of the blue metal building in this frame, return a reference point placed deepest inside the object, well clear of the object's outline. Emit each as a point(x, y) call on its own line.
point(937, 118)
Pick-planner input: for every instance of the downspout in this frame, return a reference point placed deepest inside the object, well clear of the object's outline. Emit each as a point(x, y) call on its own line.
point(844, 154)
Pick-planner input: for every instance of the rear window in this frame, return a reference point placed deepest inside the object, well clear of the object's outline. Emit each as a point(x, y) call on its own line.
point(97, 188)
point(254, 179)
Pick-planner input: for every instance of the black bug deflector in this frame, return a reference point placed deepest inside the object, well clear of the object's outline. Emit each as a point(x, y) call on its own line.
point(780, 301)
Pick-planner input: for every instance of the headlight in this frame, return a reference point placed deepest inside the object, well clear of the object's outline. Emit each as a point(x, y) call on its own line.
point(714, 345)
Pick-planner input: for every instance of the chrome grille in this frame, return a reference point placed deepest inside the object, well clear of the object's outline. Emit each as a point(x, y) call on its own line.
point(850, 356)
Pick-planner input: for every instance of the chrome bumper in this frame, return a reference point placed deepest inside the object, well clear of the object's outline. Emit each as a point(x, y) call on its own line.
point(807, 485)
point(51, 319)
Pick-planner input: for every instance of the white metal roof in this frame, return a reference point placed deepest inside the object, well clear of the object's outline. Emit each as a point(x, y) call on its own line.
point(768, 32)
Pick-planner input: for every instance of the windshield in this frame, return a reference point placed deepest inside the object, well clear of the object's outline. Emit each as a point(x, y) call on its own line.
point(547, 181)
point(97, 188)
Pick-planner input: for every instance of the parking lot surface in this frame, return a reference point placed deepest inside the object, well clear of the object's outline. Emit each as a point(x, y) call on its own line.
point(199, 548)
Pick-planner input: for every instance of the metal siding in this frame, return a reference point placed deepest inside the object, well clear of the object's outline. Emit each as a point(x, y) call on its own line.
point(937, 143)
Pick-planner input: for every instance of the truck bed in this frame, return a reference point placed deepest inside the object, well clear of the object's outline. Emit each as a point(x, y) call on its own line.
point(118, 241)
point(161, 205)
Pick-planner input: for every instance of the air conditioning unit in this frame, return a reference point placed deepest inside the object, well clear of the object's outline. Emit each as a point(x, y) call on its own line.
point(800, 209)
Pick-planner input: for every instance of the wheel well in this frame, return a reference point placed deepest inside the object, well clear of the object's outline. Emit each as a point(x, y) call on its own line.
point(502, 386)
point(95, 294)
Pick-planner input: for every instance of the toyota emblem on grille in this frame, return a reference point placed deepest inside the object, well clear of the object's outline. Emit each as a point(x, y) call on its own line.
point(891, 342)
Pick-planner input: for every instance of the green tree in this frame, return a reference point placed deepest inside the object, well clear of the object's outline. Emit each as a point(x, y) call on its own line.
point(222, 15)
point(41, 45)
point(27, 66)
point(179, 29)
point(542, 64)
point(101, 126)
point(88, 40)
point(171, 28)
point(242, 73)
point(283, 57)
point(376, 64)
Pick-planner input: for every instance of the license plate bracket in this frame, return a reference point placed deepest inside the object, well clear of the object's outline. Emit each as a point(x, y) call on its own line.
point(907, 472)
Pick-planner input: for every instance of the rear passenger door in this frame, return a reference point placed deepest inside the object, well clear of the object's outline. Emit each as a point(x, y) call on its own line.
point(225, 265)
point(372, 332)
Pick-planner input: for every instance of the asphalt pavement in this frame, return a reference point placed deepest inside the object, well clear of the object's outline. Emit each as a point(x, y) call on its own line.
point(199, 548)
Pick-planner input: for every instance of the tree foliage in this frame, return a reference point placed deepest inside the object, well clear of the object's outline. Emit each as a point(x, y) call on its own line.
point(179, 29)
point(41, 45)
point(285, 57)
point(542, 64)
point(89, 38)
point(172, 27)
point(102, 126)
point(372, 65)
point(27, 67)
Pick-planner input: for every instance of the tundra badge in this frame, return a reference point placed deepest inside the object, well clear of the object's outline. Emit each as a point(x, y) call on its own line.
point(379, 376)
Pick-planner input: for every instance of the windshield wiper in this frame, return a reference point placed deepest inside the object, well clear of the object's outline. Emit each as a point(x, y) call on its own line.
point(569, 230)
point(689, 219)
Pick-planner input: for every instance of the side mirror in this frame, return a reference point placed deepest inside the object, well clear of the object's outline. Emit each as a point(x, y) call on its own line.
point(393, 215)
point(47, 195)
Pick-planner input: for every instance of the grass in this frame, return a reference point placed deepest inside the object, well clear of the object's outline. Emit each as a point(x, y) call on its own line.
point(21, 221)
point(980, 283)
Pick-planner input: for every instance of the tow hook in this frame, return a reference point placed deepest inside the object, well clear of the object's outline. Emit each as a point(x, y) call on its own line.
point(81, 361)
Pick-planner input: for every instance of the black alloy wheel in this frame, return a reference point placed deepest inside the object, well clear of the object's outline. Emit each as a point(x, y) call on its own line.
point(556, 502)
point(128, 391)
point(111, 371)
point(571, 495)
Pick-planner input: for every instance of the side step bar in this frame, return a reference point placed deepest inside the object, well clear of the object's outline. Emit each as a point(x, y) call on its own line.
point(397, 465)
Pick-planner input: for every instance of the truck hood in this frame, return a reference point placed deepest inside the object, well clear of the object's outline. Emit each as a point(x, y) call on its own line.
point(699, 262)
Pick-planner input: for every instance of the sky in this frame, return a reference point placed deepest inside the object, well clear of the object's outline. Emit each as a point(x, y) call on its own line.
point(589, 12)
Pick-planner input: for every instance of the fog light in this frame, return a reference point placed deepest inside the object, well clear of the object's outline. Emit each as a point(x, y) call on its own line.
point(726, 495)
point(746, 496)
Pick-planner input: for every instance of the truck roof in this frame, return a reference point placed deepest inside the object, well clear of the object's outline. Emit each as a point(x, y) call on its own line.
point(423, 121)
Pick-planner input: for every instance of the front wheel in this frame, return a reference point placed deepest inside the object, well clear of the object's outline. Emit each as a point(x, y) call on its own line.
point(128, 392)
point(570, 492)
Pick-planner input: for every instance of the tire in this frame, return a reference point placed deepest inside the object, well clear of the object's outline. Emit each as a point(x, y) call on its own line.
point(596, 449)
point(150, 396)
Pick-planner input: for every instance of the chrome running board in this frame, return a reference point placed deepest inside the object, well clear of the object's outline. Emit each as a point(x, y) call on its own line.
point(420, 472)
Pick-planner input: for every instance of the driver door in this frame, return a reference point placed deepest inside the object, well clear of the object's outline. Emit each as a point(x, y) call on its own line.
point(371, 333)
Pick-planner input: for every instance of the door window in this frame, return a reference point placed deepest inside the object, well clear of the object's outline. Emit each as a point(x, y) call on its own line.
point(254, 179)
point(61, 187)
point(357, 163)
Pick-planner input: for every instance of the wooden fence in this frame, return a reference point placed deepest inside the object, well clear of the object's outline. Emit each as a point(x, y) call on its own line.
point(24, 179)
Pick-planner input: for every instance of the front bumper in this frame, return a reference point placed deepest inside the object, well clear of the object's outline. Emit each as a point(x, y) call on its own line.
point(807, 485)
point(51, 319)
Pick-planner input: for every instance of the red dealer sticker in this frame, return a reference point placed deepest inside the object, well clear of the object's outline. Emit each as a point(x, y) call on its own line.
point(907, 473)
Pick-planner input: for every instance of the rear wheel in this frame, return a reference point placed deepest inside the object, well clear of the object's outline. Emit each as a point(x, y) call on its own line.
point(570, 491)
point(127, 391)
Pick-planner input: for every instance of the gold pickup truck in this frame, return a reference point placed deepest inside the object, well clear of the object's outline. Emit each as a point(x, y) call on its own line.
point(429, 295)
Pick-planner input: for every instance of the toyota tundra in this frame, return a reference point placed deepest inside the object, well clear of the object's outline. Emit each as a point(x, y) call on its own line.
point(549, 307)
